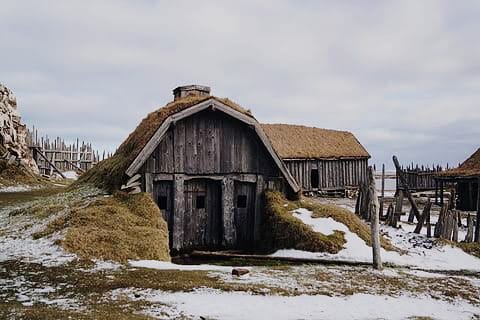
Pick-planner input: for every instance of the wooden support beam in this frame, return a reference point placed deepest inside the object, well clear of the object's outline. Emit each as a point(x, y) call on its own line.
point(216, 255)
point(74, 165)
point(404, 185)
point(51, 164)
point(423, 217)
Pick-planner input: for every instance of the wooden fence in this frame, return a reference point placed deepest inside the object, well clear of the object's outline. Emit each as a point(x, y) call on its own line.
point(419, 178)
point(56, 154)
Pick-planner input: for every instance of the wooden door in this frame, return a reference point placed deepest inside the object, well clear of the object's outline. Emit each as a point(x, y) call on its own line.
point(244, 202)
point(203, 214)
point(163, 197)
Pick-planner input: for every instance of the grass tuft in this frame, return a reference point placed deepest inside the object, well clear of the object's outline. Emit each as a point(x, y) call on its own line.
point(472, 248)
point(281, 230)
point(118, 228)
point(352, 221)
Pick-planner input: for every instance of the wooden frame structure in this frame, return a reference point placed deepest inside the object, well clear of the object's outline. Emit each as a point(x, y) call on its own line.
point(207, 167)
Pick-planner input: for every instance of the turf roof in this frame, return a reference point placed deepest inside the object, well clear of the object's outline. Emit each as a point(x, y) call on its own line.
point(110, 173)
point(469, 168)
point(301, 142)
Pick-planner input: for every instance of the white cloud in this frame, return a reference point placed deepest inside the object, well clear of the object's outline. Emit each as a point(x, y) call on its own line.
point(399, 74)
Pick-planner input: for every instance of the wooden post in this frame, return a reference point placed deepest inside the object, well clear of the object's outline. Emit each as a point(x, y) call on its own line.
point(411, 216)
point(440, 222)
point(358, 203)
point(477, 224)
point(399, 203)
point(455, 227)
point(383, 190)
point(423, 217)
point(390, 213)
point(429, 226)
point(469, 235)
point(441, 192)
point(404, 184)
point(374, 220)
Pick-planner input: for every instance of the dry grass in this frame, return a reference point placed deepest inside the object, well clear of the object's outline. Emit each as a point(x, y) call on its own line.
point(283, 231)
point(353, 222)
point(110, 173)
point(116, 228)
point(39, 211)
point(294, 141)
point(469, 168)
point(12, 174)
point(470, 248)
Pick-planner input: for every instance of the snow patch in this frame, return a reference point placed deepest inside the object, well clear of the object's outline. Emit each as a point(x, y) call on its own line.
point(215, 304)
point(162, 265)
point(421, 252)
point(70, 175)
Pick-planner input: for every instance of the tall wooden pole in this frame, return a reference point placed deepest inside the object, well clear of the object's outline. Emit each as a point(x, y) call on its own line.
point(383, 190)
point(373, 207)
point(477, 224)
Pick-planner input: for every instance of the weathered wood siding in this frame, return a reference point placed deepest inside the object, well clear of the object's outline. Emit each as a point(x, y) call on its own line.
point(332, 174)
point(215, 156)
point(210, 143)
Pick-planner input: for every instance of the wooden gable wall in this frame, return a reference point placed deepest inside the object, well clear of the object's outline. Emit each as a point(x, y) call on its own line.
point(211, 142)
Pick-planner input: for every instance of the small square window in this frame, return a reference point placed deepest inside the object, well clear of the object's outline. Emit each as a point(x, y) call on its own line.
point(162, 202)
point(241, 201)
point(200, 202)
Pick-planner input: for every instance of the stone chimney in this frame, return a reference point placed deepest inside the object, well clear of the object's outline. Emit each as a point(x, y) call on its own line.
point(192, 90)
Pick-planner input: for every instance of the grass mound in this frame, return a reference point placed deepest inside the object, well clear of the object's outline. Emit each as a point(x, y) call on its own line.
point(353, 222)
point(118, 228)
point(281, 230)
point(11, 175)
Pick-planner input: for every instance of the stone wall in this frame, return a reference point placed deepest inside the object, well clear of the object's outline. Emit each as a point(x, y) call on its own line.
point(13, 133)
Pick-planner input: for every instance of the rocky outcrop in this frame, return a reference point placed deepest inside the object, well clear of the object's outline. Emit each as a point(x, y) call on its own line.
point(13, 133)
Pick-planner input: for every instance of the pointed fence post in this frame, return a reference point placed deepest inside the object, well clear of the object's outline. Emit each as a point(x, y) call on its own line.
point(373, 207)
point(477, 224)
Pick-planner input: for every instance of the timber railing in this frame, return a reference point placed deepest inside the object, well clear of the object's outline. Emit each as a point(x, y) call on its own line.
point(419, 178)
point(56, 155)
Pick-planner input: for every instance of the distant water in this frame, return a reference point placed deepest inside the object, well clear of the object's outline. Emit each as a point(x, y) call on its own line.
point(390, 185)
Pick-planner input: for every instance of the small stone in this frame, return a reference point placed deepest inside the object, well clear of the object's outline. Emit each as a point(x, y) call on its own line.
point(240, 271)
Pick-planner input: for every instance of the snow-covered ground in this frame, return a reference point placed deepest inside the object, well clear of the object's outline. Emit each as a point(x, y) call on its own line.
point(17, 234)
point(162, 265)
point(207, 304)
point(70, 175)
point(284, 292)
point(17, 188)
point(421, 253)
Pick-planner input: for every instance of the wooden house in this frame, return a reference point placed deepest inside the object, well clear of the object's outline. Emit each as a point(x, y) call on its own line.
point(466, 179)
point(207, 165)
point(320, 159)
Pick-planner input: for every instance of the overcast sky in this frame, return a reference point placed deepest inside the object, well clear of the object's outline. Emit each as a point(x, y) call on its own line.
point(403, 76)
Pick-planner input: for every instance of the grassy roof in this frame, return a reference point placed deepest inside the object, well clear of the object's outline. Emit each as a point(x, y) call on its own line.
point(295, 141)
point(469, 168)
point(110, 173)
